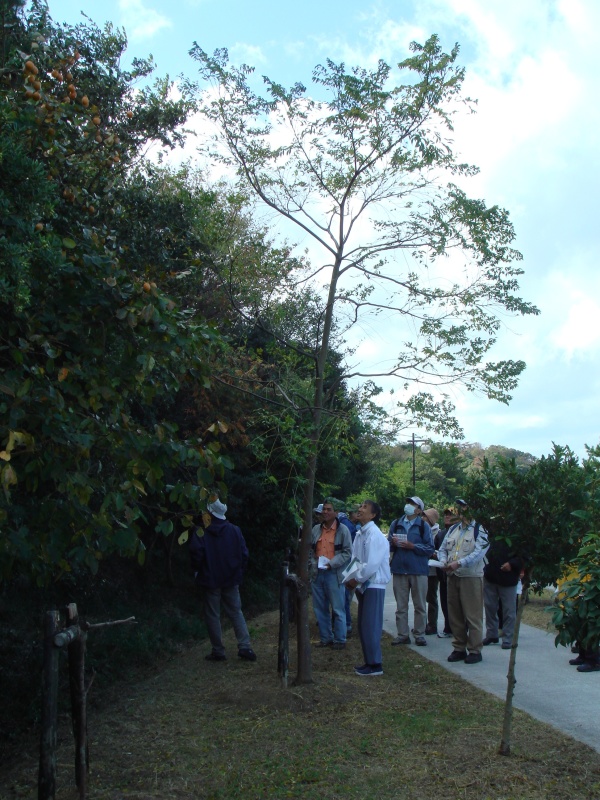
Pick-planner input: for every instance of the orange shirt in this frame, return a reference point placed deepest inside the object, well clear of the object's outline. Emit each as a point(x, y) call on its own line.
point(325, 545)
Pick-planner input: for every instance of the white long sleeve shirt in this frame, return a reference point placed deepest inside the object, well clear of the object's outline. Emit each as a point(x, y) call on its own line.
point(372, 549)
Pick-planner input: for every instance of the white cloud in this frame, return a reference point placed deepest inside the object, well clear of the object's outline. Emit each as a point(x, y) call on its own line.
point(251, 54)
point(140, 21)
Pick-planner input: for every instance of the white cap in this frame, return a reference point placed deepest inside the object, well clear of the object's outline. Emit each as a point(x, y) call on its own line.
point(416, 501)
point(217, 509)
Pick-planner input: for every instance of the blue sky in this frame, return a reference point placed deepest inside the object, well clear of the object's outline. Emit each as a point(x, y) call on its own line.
point(534, 70)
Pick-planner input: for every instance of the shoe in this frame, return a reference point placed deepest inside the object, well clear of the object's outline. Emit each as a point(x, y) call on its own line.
point(506, 646)
point(430, 630)
point(457, 655)
point(247, 654)
point(490, 640)
point(369, 670)
point(444, 635)
point(338, 646)
point(589, 667)
point(215, 657)
point(421, 641)
point(473, 658)
point(324, 644)
point(400, 640)
point(577, 662)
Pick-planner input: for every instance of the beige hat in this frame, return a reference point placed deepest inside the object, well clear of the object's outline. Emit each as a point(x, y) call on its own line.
point(432, 516)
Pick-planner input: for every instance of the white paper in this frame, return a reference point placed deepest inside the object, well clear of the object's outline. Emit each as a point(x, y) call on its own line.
point(323, 562)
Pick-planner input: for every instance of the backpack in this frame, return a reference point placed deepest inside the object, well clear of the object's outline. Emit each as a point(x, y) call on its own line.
point(475, 530)
point(395, 525)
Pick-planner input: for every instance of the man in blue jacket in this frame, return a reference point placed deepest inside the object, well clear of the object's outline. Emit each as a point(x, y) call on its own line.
point(219, 557)
point(411, 546)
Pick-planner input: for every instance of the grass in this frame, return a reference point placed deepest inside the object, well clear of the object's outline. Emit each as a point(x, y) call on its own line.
point(535, 612)
point(214, 731)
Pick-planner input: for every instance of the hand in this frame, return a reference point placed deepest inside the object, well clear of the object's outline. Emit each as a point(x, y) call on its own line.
point(406, 545)
point(451, 567)
point(351, 584)
point(505, 567)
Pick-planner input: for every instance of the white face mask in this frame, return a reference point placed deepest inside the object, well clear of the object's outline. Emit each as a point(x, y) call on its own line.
point(409, 509)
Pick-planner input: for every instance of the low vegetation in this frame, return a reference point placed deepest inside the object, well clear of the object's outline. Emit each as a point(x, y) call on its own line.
point(196, 729)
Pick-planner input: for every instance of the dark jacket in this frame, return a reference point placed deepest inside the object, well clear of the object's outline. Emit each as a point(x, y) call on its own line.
point(498, 554)
point(219, 555)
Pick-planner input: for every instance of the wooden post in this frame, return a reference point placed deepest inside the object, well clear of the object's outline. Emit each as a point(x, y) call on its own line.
point(47, 768)
point(283, 660)
point(76, 652)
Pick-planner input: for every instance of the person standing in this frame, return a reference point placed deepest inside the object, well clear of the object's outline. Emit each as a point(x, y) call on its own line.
point(219, 557)
point(500, 580)
point(449, 518)
point(331, 548)
point(432, 516)
point(411, 547)
point(371, 550)
point(461, 556)
point(348, 593)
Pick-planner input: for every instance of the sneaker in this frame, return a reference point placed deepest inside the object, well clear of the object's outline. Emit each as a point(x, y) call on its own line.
point(444, 635)
point(247, 654)
point(490, 640)
point(215, 657)
point(430, 630)
point(338, 646)
point(457, 655)
point(324, 644)
point(421, 641)
point(589, 667)
point(577, 662)
point(506, 646)
point(369, 670)
point(473, 658)
point(400, 640)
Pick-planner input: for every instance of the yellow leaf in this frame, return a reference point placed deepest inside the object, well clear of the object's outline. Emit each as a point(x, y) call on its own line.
point(223, 427)
point(63, 374)
point(183, 537)
point(4, 455)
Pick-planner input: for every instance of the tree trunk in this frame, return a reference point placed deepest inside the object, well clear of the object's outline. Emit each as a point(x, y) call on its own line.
point(304, 660)
point(47, 768)
point(504, 749)
point(284, 626)
point(76, 652)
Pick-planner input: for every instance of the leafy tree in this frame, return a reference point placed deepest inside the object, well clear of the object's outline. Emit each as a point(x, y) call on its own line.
point(576, 615)
point(92, 356)
point(530, 510)
point(371, 157)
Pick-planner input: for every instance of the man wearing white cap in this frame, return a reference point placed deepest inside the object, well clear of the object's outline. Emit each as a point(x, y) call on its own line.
point(219, 557)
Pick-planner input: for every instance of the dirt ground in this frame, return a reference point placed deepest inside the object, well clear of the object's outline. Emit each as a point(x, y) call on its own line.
point(197, 729)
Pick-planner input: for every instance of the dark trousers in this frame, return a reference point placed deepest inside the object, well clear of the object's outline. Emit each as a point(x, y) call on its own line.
point(439, 579)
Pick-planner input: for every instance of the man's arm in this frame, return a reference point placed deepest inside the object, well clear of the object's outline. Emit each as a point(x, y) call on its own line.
point(342, 557)
point(479, 551)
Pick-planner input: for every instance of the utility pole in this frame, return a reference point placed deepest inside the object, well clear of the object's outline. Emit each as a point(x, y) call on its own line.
point(425, 448)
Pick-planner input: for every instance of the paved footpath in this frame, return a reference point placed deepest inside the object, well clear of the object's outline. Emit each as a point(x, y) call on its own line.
point(547, 686)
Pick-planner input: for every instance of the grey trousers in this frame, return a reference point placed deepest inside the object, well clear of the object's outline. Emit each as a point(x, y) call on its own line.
point(492, 593)
point(230, 600)
point(415, 585)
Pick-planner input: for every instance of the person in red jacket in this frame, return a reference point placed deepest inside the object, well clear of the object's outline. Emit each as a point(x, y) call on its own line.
point(219, 557)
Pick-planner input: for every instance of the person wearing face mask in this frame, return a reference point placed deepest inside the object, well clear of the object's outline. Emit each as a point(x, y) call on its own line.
point(411, 547)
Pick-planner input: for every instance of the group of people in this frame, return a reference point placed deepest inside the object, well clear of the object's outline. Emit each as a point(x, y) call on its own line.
point(350, 555)
point(421, 559)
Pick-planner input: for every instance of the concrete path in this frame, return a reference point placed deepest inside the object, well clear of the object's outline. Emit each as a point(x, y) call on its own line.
point(547, 687)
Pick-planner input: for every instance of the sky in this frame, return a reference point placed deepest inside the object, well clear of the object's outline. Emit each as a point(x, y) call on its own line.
point(533, 67)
